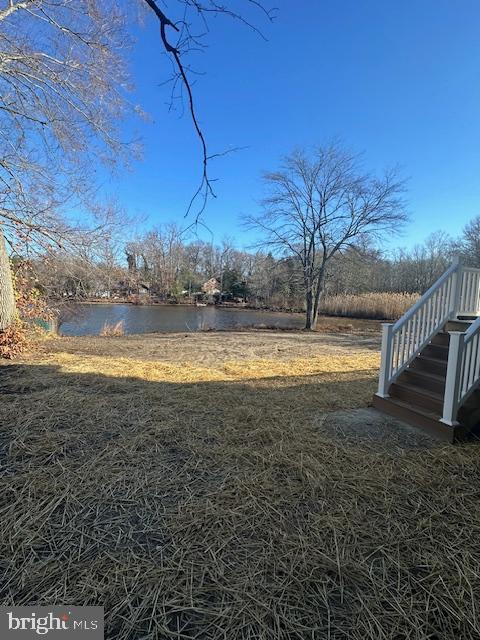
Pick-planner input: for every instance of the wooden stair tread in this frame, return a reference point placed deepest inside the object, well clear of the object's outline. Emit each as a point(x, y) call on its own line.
point(440, 347)
point(423, 379)
point(426, 420)
point(458, 325)
point(421, 373)
point(421, 356)
point(420, 390)
point(413, 408)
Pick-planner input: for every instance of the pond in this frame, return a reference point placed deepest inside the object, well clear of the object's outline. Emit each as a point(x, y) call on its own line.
point(91, 318)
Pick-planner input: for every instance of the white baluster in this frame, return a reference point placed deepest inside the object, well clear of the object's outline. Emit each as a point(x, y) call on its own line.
point(385, 366)
point(423, 326)
point(415, 329)
point(471, 364)
point(460, 298)
point(468, 295)
point(447, 296)
point(429, 315)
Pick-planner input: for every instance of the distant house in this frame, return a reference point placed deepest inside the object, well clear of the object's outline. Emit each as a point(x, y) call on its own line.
point(211, 287)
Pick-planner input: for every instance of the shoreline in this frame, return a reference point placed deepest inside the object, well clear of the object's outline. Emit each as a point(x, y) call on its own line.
point(221, 305)
point(234, 307)
point(326, 326)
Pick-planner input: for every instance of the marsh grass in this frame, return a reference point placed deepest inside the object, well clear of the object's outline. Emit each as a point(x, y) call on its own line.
point(110, 330)
point(377, 306)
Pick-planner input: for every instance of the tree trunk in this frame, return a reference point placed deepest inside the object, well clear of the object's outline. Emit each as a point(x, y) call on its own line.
point(7, 296)
point(318, 294)
point(309, 319)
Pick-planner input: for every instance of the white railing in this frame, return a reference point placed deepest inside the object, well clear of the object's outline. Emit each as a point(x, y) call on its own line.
point(402, 341)
point(455, 294)
point(463, 370)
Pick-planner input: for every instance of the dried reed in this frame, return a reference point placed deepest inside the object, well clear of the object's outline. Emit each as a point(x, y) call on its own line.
point(379, 306)
point(113, 330)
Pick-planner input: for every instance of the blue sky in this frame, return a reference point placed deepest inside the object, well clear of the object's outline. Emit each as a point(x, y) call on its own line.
point(399, 80)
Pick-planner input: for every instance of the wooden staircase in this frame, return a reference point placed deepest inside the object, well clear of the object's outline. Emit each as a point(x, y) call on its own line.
point(430, 364)
point(417, 395)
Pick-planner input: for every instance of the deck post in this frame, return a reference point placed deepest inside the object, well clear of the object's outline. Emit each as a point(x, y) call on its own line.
point(457, 287)
point(452, 382)
point(386, 361)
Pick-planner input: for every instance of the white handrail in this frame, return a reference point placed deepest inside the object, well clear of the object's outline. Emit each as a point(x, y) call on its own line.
point(402, 341)
point(426, 296)
point(473, 329)
point(463, 370)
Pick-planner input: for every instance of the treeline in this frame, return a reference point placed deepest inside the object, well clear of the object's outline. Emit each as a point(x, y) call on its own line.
point(163, 265)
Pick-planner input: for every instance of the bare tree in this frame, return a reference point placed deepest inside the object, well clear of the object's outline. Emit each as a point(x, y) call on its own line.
point(414, 270)
point(320, 204)
point(468, 245)
point(62, 92)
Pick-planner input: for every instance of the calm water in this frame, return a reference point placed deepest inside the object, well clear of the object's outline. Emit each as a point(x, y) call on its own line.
point(144, 319)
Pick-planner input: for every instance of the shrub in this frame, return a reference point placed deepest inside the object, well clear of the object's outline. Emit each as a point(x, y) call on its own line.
point(13, 340)
point(30, 301)
point(31, 307)
point(113, 330)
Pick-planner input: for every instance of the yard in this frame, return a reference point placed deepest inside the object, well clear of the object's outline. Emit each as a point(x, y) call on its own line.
point(232, 486)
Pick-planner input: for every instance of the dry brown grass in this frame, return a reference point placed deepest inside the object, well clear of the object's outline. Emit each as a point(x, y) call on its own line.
point(209, 502)
point(380, 306)
point(113, 330)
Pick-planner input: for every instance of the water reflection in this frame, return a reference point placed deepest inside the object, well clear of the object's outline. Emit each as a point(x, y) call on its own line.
point(144, 319)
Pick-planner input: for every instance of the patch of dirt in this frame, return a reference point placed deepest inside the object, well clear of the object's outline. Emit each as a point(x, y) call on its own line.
point(369, 428)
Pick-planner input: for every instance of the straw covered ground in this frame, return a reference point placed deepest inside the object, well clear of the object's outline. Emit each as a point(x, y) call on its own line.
point(205, 496)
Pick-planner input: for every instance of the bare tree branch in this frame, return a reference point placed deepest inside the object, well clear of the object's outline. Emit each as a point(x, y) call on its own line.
point(205, 187)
